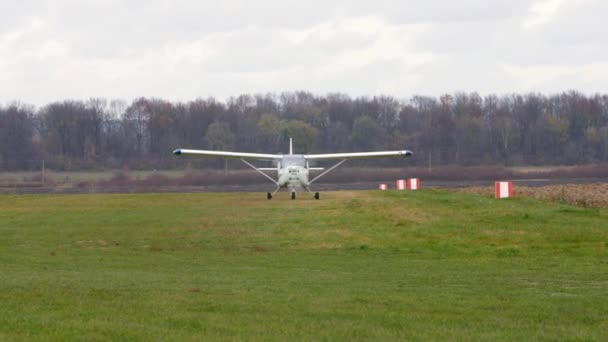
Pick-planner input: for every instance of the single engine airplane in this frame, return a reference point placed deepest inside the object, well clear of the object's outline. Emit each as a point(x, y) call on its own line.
point(293, 170)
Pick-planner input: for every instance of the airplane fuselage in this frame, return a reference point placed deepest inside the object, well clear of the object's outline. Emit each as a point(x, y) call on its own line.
point(293, 172)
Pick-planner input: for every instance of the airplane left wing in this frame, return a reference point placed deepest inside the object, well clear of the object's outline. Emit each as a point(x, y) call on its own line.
point(358, 155)
point(226, 154)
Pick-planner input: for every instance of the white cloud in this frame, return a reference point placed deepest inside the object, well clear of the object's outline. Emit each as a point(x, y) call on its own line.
point(183, 49)
point(552, 78)
point(541, 13)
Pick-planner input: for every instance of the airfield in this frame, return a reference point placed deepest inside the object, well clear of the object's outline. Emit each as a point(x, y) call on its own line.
point(434, 264)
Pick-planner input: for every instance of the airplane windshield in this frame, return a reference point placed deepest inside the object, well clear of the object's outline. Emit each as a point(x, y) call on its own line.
point(293, 160)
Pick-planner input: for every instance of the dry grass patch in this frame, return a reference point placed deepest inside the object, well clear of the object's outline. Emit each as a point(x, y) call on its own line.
point(585, 195)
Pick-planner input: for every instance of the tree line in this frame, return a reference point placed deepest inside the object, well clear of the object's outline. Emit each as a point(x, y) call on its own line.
point(460, 129)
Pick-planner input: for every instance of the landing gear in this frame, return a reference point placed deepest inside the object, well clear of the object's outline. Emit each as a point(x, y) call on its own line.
point(294, 194)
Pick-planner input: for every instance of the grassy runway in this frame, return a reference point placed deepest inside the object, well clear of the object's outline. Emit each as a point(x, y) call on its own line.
point(429, 265)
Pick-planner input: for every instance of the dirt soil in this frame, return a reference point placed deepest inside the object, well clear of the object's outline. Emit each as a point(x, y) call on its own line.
point(585, 195)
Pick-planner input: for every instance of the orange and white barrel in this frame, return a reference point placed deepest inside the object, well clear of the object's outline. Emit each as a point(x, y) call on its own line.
point(413, 183)
point(503, 189)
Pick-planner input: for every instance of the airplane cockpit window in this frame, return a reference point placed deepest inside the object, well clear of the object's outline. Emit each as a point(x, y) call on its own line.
point(294, 160)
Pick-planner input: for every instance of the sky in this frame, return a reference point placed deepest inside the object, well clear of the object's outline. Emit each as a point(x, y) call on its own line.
point(180, 50)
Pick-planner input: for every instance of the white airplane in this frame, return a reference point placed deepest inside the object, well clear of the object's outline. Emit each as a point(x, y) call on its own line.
point(293, 170)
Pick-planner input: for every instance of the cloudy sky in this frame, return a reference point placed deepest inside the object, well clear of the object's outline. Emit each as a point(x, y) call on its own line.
point(184, 49)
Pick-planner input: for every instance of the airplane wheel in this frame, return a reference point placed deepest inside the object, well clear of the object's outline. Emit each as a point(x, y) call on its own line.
point(268, 196)
point(293, 195)
point(316, 195)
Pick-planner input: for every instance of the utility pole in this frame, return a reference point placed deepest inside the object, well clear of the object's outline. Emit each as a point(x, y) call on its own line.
point(43, 173)
point(430, 161)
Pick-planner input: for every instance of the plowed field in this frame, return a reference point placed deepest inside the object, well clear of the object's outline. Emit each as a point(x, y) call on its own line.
point(585, 195)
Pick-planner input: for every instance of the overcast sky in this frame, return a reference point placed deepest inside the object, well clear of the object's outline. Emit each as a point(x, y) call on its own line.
point(184, 49)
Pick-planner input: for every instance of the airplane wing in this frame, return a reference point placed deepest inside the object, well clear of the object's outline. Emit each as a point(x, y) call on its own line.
point(226, 154)
point(359, 155)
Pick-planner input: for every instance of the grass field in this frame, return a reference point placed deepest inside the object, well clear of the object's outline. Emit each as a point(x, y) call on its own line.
point(428, 265)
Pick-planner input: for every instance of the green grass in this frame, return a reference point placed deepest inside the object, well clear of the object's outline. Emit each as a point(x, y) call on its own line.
point(428, 265)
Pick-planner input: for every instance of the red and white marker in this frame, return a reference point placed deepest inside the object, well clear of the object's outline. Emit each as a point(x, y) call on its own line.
point(413, 183)
point(382, 186)
point(401, 184)
point(503, 189)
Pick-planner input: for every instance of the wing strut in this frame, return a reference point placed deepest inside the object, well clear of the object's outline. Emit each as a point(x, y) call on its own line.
point(260, 171)
point(327, 171)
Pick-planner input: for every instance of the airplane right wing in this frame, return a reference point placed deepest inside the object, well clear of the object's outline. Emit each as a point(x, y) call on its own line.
point(226, 154)
point(358, 155)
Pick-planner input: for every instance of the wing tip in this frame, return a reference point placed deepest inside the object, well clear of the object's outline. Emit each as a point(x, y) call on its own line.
point(177, 152)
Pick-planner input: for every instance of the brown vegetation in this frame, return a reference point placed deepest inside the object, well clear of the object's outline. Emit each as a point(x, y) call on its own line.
point(353, 175)
point(467, 173)
point(585, 195)
point(126, 180)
